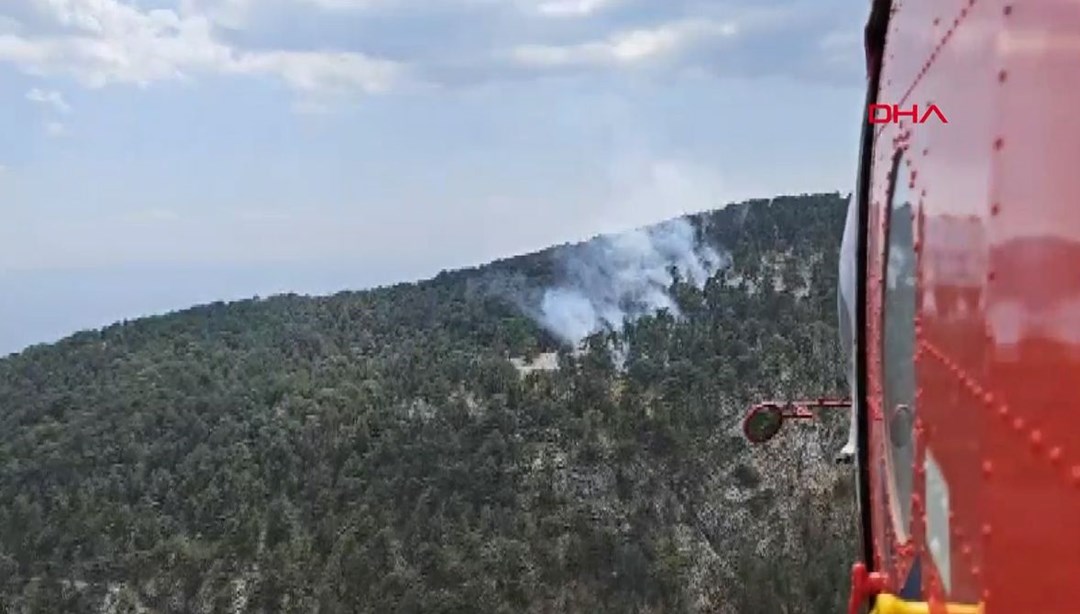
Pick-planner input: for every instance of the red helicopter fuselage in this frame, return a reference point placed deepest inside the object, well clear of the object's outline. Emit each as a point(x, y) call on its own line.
point(964, 314)
point(985, 504)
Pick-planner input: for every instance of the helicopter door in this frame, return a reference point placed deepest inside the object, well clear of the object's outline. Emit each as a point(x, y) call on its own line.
point(896, 460)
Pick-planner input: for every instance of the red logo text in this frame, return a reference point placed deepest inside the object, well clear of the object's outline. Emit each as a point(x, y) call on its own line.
point(892, 114)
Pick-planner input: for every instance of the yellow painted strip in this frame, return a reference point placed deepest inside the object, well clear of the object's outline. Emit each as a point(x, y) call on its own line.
point(889, 604)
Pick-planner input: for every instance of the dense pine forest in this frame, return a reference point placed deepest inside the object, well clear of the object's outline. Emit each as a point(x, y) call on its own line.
point(392, 450)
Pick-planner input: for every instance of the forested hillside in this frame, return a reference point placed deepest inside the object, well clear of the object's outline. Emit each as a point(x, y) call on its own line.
point(386, 451)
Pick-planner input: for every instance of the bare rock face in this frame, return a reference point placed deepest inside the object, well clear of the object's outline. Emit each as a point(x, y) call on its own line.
point(546, 361)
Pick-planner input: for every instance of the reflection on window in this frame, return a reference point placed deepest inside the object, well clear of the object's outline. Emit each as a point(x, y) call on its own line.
point(899, 341)
point(846, 289)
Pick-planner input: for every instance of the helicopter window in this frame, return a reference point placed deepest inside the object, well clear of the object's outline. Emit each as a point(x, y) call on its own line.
point(899, 344)
point(846, 290)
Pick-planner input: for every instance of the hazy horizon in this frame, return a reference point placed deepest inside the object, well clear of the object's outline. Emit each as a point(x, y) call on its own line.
point(155, 294)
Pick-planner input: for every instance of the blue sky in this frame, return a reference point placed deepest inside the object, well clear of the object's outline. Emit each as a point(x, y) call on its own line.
point(162, 153)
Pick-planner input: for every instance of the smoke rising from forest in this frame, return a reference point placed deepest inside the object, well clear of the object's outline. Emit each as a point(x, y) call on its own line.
point(623, 277)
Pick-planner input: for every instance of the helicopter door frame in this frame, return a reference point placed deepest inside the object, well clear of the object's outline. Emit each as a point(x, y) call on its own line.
point(875, 35)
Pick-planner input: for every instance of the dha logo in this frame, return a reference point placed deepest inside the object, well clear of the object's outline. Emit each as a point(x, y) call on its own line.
point(891, 114)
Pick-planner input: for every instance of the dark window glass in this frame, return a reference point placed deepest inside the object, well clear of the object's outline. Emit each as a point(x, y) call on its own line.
point(899, 342)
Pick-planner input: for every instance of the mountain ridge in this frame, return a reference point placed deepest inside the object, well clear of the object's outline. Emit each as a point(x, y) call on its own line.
point(378, 450)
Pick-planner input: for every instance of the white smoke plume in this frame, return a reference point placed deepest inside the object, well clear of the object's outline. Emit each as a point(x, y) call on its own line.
point(610, 280)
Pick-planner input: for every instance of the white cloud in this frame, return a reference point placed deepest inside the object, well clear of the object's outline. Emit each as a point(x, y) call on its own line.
point(321, 72)
point(572, 8)
point(227, 13)
point(21, 51)
point(49, 98)
point(55, 129)
point(552, 8)
point(351, 4)
point(107, 42)
point(628, 47)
